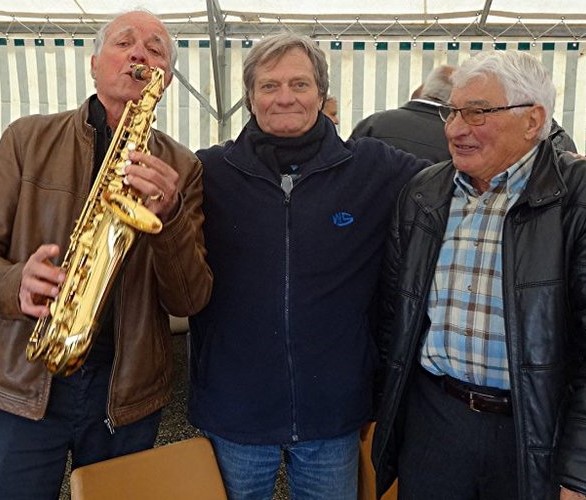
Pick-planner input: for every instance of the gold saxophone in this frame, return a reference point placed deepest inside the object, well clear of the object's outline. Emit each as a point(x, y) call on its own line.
point(103, 235)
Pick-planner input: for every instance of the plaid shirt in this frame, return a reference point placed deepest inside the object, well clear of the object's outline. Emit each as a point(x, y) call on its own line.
point(467, 338)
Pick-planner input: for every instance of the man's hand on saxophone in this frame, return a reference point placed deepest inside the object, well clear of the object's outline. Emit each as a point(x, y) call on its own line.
point(158, 182)
point(40, 281)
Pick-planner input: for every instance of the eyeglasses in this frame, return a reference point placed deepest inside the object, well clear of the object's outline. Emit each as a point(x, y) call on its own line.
point(472, 115)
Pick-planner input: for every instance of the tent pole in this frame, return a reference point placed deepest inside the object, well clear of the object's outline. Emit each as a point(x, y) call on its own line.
point(218, 51)
point(485, 12)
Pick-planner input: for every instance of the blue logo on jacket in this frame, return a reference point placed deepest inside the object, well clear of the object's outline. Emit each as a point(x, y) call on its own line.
point(342, 219)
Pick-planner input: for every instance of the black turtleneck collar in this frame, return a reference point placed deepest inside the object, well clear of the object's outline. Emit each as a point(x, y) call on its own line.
point(97, 118)
point(286, 155)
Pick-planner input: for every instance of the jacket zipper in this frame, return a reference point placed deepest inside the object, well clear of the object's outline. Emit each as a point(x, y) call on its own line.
point(287, 187)
point(108, 421)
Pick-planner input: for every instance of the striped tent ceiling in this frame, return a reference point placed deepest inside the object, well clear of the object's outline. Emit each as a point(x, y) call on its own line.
point(377, 55)
point(334, 19)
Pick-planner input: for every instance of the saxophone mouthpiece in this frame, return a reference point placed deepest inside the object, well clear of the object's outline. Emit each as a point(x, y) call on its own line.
point(141, 72)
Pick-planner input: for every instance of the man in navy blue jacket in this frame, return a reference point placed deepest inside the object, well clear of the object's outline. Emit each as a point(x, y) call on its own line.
point(283, 356)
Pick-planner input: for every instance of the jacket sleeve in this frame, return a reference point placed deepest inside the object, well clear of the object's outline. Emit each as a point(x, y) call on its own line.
point(572, 452)
point(571, 463)
point(386, 290)
point(10, 180)
point(184, 279)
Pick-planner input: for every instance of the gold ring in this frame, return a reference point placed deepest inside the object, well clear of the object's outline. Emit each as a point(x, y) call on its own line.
point(160, 196)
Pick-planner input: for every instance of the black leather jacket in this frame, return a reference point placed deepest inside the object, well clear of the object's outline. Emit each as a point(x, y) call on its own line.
point(544, 287)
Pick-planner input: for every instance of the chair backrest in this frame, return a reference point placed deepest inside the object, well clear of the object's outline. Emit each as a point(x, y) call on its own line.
point(185, 470)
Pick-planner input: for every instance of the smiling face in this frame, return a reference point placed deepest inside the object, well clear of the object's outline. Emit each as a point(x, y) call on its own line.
point(484, 151)
point(132, 38)
point(285, 97)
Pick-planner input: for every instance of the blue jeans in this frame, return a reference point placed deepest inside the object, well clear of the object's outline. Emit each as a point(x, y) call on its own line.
point(316, 470)
point(33, 454)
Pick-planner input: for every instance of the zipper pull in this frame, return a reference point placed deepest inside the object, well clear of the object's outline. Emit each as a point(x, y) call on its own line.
point(287, 186)
point(109, 425)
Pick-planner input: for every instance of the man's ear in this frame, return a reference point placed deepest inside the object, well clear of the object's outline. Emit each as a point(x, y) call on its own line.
point(535, 121)
point(92, 64)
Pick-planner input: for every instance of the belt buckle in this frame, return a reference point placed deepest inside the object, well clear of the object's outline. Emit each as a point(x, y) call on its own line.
point(471, 404)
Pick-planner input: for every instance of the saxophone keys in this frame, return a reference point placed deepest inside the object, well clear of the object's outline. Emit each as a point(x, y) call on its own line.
point(120, 166)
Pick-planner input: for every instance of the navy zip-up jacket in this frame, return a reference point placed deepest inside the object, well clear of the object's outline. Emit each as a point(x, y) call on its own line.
point(284, 350)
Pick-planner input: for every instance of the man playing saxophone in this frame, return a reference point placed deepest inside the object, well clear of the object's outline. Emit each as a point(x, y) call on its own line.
point(48, 164)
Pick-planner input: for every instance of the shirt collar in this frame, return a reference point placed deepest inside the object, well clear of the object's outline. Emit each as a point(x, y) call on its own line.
point(97, 116)
point(437, 104)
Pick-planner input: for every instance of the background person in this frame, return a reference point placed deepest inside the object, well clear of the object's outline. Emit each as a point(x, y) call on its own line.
point(483, 295)
point(331, 109)
point(111, 405)
point(283, 356)
point(416, 94)
point(416, 126)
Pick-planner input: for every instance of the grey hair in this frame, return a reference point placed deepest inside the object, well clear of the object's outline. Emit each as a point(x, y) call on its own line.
point(276, 46)
point(103, 33)
point(523, 77)
point(438, 84)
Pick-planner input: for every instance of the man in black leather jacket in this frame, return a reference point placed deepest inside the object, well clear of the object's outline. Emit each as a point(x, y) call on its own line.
point(483, 311)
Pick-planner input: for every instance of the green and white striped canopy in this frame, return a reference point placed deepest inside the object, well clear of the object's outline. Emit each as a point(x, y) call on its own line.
point(378, 52)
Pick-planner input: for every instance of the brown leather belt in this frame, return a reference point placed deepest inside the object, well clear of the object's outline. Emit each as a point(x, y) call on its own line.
point(495, 401)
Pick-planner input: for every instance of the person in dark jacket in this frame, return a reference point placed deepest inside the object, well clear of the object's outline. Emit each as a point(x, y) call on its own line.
point(283, 355)
point(483, 303)
point(416, 126)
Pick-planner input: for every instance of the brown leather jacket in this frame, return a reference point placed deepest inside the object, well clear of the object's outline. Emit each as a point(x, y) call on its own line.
point(45, 175)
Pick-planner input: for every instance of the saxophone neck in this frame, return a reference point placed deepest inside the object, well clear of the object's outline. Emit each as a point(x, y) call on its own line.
point(155, 78)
